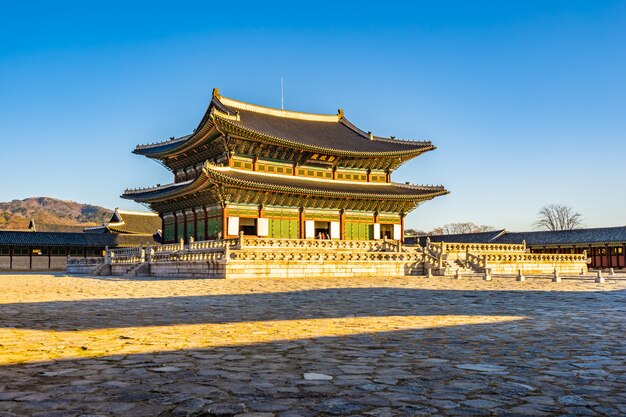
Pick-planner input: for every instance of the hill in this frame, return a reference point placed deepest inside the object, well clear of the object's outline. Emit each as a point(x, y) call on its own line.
point(50, 211)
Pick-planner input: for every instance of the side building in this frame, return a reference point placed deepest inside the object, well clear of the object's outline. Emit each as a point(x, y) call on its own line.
point(269, 172)
point(605, 246)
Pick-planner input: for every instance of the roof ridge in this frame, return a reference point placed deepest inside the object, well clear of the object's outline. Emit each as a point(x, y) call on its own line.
point(150, 213)
point(272, 111)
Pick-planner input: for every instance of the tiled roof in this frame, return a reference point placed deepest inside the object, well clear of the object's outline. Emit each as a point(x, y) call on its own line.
point(45, 227)
point(481, 237)
point(568, 237)
point(338, 135)
point(288, 184)
point(542, 238)
point(315, 132)
point(90, 240)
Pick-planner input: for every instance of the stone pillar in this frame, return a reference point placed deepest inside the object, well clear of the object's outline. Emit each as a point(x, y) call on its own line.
point(487, 276)
point(107, 256)
point(241, 239)
point(611, 271)
point(599, 278)
point(555, 276)
point(429, 272)
point(181, 244)
point(520, 276)
point(148, 252)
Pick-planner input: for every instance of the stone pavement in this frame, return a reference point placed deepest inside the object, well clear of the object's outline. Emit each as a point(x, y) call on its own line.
point(79, 346)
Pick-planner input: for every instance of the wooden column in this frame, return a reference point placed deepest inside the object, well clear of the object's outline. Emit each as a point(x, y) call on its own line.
point(30, 258)
point(175, 237)
point(224, 221)
point(402, 227)
point(369, 175)
point(206, 223)
point(342, 224)
point(49, 257)
point(11, 257)
point(301, 223)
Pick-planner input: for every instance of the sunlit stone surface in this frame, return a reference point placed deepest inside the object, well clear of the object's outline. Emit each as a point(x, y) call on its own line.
point(384, 346)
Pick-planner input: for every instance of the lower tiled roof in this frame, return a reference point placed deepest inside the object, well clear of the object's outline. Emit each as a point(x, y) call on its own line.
point(216, 175)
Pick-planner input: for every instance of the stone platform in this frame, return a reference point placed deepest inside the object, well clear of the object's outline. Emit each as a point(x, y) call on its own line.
point(299, 258)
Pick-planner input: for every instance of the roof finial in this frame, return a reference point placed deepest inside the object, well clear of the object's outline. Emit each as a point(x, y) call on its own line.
point(340, 113)
point(216, 93)
point(371, 135)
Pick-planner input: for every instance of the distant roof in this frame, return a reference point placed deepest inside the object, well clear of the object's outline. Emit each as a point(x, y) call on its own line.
point(569, 237)
point(89, 240)
point(480, 237)
point(597, 235)
point(212, 174)
point(50, 227)
point(131, 222)
point(315, 132)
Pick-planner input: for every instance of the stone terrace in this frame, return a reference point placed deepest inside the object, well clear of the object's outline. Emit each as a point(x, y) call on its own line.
point(72, 346)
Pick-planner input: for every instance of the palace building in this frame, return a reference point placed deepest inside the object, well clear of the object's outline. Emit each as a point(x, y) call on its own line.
point(274, 173)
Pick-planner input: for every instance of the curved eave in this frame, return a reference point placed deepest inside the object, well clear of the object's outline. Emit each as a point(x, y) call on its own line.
point(413, 151)
point(166, 192)
point(219, 176)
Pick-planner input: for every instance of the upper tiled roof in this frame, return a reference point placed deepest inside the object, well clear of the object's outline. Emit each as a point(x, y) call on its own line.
point(89, 240)
point(315, 132)
point(282, 183)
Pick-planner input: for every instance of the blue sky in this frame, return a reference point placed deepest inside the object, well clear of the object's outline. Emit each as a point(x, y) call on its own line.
point(525, 100)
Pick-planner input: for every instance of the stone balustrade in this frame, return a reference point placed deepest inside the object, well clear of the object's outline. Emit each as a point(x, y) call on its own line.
point(211, 245)
point(477, 262)
point(534, 257)
point(85, 261)
point(367, 245)
point(171, 247)
point(447, 247)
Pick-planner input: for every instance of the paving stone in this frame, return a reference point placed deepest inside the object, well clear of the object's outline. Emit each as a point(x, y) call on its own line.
point(549, 352)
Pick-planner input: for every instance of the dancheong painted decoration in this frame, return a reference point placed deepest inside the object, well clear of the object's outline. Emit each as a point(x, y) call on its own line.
point(274, 173)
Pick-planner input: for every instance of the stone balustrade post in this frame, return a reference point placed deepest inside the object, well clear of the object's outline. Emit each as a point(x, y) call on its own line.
point(429, 272)
point(611, 271)
point(107, 256)
point(555, 276)
point(520, 276)
point(599, 278)
point(241, 240)
point(487, 276)
point(181, 244)
point(142, 254)
point(149, 252)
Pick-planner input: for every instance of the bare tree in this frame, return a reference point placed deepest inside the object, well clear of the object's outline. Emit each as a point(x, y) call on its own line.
point(460, 228)
point(558, 217)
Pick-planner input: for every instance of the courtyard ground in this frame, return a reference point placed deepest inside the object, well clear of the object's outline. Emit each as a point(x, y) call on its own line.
point(72, 346)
